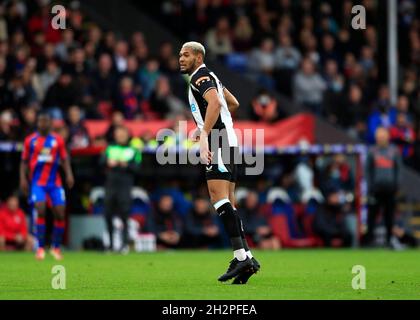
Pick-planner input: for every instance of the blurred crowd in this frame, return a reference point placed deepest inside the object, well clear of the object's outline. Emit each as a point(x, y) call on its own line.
point(309, 51)
point(81, 72)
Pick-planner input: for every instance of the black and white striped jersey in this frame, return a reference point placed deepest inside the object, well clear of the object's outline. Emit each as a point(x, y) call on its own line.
point(201, 81)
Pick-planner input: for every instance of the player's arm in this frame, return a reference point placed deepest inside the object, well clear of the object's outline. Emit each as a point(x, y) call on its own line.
point(212, 113)
point(232, 102)
point(23, 168)
point(23, 180)
point(65, 163)
point(68, 172)
point(213, 110)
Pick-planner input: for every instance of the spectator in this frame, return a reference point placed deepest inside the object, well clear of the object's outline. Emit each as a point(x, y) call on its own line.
point(13, 227)
point(264, 107)
point(287, 60)
point(103, 84)
point(383, 180)
point(338, 175)
point(329, 222)
point(148, 76)
point(242, 34)
point(19, 93)
point(262, 62)
point(8, 131)
point(49, 76)
point(61, 95)
point(66, 45)
point(27, 121)
point(383, 115)
point(116, 121)
point(255, 225)
point(126, 100)
point(78, 134)
point(308, 87)
point(201, 227)
point(218, 39)
point(166, 224)
point(121, 56)
point(403, 136)
point(328, 50)
point(354, 113)
point(163, 102)
point(287, 56)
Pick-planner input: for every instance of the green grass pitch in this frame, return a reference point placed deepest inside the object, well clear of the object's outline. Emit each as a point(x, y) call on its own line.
point(286, 274)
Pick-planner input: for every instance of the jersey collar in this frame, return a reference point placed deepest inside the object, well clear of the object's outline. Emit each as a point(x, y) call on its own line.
point(201, 66)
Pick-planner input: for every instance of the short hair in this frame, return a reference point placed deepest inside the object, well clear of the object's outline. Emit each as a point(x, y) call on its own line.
point(195, 46)
point(44, 113)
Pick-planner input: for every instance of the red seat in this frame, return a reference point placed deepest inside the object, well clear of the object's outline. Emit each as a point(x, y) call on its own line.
point(280, 229)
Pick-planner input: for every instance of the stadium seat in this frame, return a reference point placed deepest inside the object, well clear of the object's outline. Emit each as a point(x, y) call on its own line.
point(237, 62)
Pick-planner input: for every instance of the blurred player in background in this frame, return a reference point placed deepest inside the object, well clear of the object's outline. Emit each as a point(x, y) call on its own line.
point(43, 153)
point(211, 105)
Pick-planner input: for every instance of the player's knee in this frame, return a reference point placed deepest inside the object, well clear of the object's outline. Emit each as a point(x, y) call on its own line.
point(40, 210)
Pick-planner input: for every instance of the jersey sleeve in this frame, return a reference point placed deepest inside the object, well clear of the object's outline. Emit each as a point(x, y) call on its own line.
point(62, 151)
point(25, 151)
point(202, 81)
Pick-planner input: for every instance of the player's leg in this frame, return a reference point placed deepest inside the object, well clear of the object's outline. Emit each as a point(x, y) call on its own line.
point(243, 277)
point(38, 197)
point(238, 218)
point(219, 194)
point(109, 215)
point(57, 196)
point(124, 208)
point(373, 209)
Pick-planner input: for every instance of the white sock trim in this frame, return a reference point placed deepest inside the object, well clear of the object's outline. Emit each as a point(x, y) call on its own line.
point(239, 254)
point(249, 254)
point(220, 203)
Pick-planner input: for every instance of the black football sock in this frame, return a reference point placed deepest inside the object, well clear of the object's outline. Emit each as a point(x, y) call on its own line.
point(241, 230)
point(226, 213)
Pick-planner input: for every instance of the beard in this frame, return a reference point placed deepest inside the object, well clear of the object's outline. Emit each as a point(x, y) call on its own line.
point(190, 69)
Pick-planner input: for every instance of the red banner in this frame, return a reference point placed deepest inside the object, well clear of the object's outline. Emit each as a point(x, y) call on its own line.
point(282, 133)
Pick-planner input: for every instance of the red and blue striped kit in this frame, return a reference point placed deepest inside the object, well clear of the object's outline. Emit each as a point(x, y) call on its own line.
point(44, 154)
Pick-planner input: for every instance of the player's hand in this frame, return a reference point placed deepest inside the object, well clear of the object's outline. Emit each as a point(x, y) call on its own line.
point(195, 137)
point(70, 181)
point(112, 163)
point(24, 186)
point(123, 164)
point(205, 154)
